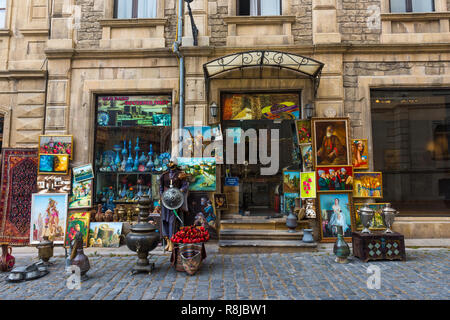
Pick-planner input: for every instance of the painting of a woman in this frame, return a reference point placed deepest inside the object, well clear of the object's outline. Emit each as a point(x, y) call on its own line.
point(360, 157)
point(335, 209)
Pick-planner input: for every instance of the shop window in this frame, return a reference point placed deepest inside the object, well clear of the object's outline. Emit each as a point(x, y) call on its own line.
point(132, 146)
point(2, 13)
point(411, 141)
point(128, 9)
point(259, 7)
point(400, 6)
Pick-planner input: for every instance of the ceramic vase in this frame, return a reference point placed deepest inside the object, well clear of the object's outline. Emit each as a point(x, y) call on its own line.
point(7, 259)
point(308, 236)
point(341, 248)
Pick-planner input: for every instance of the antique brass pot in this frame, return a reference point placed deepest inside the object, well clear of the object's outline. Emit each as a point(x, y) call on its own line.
point(45, 249)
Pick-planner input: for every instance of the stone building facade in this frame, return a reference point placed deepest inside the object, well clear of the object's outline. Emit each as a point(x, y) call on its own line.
point(54, 62)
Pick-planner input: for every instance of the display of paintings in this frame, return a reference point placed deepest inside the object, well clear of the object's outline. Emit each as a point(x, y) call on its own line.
point(291, 181)
point(360, 154)
point(334, 178)
point(77, 222)
point(81, 196)
point(377, 223)
point(306, 150)
point(331, 142)
point(83, 173)
point(220, 201)
point(56, 144)
point(54, 183)
point(202, 173)
point(105, 234)
point(289, 202)
point(53, 164)
point(48, 217)
point(256, 106)
point(303, 131)
point(367, 185)
point(308, 185)
point(201, 212)
point(122, 111)
point(335, 209)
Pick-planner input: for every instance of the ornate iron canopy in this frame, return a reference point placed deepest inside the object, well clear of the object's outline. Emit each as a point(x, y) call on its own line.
point(264, 58)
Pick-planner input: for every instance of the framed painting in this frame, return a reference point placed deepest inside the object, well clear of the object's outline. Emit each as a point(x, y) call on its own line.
point(48, 216)
point(367, 185)
point(220, 201)
point(360, 154)
point(56, 144)
point(83, 173)
point(53, 164)
point(202, 172)
point(308, 185)
point(335, 209)
point(54, 183)
point(77, 222)
point(303, 131)
point(81, 195)
point(291, 181)
point(201, 212)
point(289, 202)
point(105, 234)
point(337, 178)
point(307, 158)
point(377, 223)
point(331, 141)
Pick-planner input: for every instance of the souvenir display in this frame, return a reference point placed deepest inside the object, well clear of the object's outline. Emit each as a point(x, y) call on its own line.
point(57, 144)
point(367, 185)
point(77, 222)
point(254, 106)
point(105, 234)
point(308, 185)
point(376, 223)
point(360, 154)
point(330, 141)
point(303, 131)
point(81, 196)
point(307, 158)
point(18, 183)
point(48, 214)
point(335, 209)
point(291, 181)
point(202, 173)
point(334, 178)
point(82, 173)
point(220, 201)
point(53, 183)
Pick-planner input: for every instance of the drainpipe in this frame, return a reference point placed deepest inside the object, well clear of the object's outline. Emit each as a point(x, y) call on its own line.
point(176, 50)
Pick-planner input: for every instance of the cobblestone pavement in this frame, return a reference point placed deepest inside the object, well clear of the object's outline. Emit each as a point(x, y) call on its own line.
point(425, 275)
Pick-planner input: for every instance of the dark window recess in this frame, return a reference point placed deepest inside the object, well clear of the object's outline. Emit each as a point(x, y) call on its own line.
point(258, 8)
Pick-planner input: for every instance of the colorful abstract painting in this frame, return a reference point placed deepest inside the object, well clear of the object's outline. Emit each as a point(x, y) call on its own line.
point(308, 185)
point(77, 222)
point(18, 183)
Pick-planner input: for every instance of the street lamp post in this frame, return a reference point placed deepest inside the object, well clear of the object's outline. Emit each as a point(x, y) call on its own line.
point(194, 27)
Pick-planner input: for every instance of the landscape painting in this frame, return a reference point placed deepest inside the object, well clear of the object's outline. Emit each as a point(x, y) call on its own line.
point(291, 181)
point(201, 171)
point(105, 234)
point(81, 196)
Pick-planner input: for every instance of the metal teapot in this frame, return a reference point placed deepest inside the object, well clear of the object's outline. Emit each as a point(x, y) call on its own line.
point(366, 215)
point(388, 214)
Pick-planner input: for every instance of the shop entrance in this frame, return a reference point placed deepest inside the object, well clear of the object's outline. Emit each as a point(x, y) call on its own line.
point(259, 195)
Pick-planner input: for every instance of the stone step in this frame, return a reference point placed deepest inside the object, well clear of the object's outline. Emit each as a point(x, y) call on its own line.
point(261, 234)
point(265, 246)
point(255, 223)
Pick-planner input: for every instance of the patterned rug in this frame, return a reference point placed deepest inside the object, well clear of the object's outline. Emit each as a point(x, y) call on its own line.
point(18, 183)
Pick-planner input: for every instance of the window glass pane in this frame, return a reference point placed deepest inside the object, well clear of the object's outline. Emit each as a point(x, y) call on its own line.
point(422, 5)
point(270, 7)
point(253, 7)
point(124, 9)
point(398, 5)
point(147, 9)
point(2, 4)
point(411, 143)
point(2, 18)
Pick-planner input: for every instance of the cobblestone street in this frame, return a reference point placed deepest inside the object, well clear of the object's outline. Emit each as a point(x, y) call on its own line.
point(425, 275)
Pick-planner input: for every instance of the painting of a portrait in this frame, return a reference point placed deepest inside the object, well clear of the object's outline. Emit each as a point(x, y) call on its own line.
point(220, 201)
point(48, 217)
point(335, 210)
point(291, 181)
point(77, 222)
point(201, 212)
point(334, 178)
point(367, 185)
point(330, 141)
point(303, 131)
point(377, 223)
point(307, 158)
point(360, 154)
